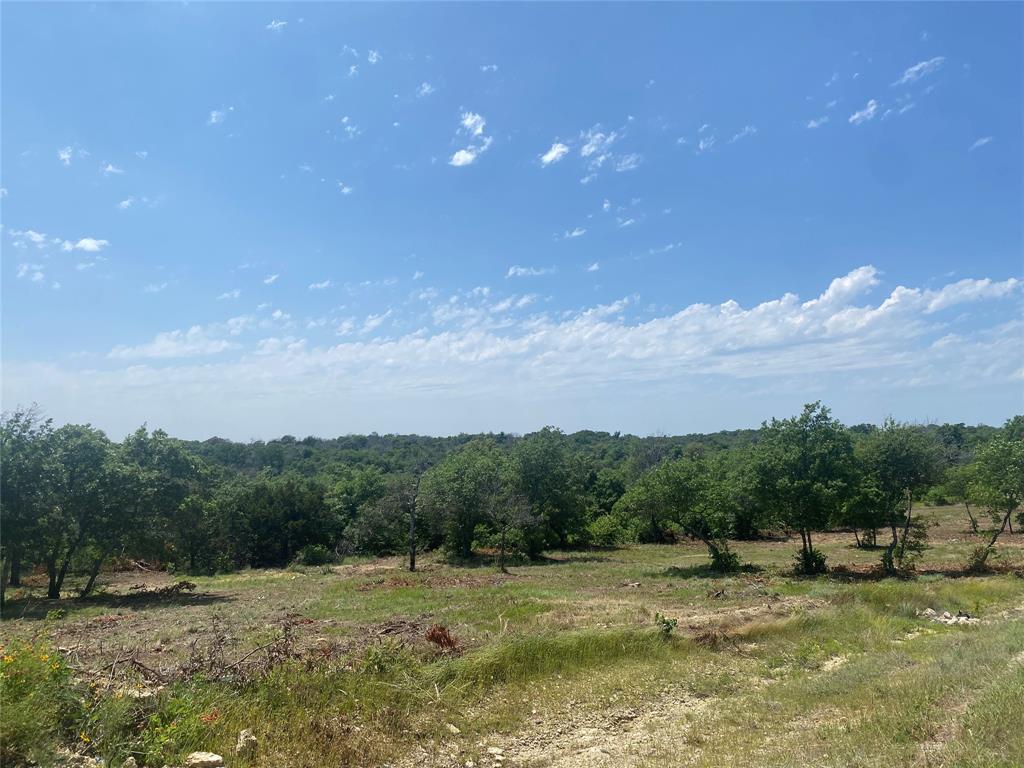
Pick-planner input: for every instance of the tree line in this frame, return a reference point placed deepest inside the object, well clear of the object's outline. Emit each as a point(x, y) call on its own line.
point(71, 498)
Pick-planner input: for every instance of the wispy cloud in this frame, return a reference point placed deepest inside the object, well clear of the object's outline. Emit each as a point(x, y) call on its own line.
point(594, 267)
point(217, 116)
point(572, 233)
point(553, 155)
point(980, 143)
point(817, 122)
point(270, 279)
point(866, 114)
point(344, 188)
point(194, 342)
point(111, 169)
point(64, 154)
point(628, 162)
point(234, 293)
point(277, 25)
point(321, 286)
point(425, 89)
point(373, 57)
point(473, 124)
point(748, 130)
point(154, 287)
point(919, 70)
point(517, 271)
point(488, 67)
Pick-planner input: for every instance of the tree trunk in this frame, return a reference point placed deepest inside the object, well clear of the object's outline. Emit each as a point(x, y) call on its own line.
point(974, 523)
point(501, 553)
point(412, 537)
point(992, 542)
point(93, 574)
point(5, 563)
point(53, 588)
point(15, 575)
point(906, 529)
point(857, 538)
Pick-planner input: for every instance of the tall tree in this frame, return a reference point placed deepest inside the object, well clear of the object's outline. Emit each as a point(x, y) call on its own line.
point(27, 474)
point(900, 461)
point(803, 470)
point(998, 484)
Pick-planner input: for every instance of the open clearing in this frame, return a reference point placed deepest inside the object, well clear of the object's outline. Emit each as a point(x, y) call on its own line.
point(560, 663)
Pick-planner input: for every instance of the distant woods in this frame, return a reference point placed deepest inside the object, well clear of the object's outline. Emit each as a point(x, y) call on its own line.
point(71, 499)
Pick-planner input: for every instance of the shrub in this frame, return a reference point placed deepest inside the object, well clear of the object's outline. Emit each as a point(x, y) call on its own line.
point(40, 703)
point(315, 554)
point(666, 626)
point(810, 562)
point(607, 531)
point(724, 560)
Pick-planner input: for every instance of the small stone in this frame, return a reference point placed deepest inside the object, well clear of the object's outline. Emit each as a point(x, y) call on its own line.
point(454, 729)
point(204, 760)
point(246, 746)
point(947, 615)
point(495, 751)
point(130, 763)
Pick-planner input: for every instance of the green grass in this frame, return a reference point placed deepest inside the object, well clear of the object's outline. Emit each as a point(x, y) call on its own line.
point(785, 671)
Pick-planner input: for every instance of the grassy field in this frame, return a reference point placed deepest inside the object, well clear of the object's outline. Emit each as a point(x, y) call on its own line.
point(560, 663)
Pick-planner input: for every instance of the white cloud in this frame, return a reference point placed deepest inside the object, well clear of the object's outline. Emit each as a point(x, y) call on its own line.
point(270, 279)
point(353, 70)
point(980, 143)
point(517, 271)
point(142, 154)
point(89, 244)
point(373, 322)
point(110, 168)
point(919, 70)
point(64, 154)
point(748, 130)
point(463, 157)
point(322, 285)
point(373, 57)
point(84, 265)
point(594, 267)
point(628, 162)
point(277, 25)
point(903, 345)
point(34, 272)
point(216, 117)
point(234, 293)
point(706, 144)
point(553, 155)
point(863, 115)
point(596, 143)
point(627, 222)
point(154, 287)
point(572, 233)
point(344, 188)
point(194, 342)
point(425, 89)
point(473, 123)
point(817, 122)
point(488, 67)
point(127, 203)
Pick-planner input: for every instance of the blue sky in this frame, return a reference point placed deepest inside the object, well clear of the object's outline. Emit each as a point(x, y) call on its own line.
point(256, 219)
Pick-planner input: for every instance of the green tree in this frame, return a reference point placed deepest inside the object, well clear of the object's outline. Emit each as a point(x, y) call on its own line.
point(463, 492)
point(685, 493)
point(900, 461)
point(998, 484)
point(27, 476)
point(550, 478)
point(803, 469)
